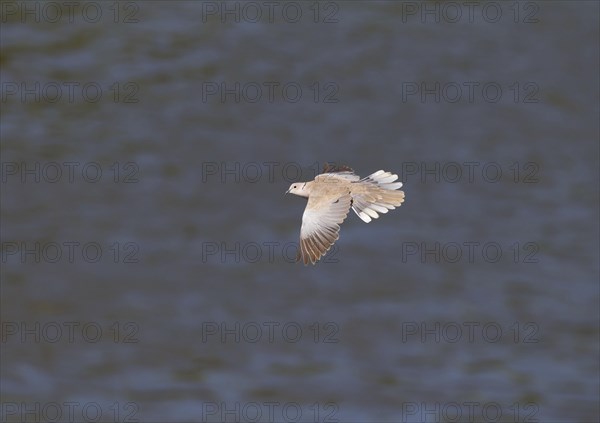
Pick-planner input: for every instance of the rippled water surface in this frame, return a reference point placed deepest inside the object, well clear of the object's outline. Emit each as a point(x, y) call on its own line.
point(481, 291)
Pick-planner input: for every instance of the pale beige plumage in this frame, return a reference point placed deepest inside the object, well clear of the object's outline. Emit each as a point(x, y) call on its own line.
point(330, 197)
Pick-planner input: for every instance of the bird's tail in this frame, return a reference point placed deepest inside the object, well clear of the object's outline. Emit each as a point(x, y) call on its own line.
point(378, 196)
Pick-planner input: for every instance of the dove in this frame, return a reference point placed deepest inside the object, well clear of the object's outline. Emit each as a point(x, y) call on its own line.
point(331, 195)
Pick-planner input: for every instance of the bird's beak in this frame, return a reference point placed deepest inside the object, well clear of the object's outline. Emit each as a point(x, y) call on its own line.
point(286, 192)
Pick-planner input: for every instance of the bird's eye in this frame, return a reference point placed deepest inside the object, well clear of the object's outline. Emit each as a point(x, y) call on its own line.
point(295, 186)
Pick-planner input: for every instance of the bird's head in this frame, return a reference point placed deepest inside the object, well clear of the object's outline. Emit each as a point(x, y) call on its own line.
point(299, 188)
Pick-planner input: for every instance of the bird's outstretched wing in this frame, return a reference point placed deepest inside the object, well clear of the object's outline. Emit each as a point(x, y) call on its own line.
point(332, 167)
point(321, 225)
point(333, 174)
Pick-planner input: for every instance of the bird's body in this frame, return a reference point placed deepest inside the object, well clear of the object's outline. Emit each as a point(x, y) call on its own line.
point(330, 197)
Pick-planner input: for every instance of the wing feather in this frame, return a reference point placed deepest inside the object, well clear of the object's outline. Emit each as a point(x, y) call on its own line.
point(321, 225)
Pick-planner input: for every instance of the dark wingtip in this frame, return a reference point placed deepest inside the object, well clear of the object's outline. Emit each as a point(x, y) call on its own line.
point(332, 167)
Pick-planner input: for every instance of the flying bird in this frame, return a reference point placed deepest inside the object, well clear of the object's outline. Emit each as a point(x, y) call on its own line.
point(331, 195)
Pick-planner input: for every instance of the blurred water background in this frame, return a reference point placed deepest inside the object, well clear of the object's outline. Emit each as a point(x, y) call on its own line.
point(197, 236)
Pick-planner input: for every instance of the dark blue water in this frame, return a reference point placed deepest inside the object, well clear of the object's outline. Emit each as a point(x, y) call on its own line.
point(147, 246)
